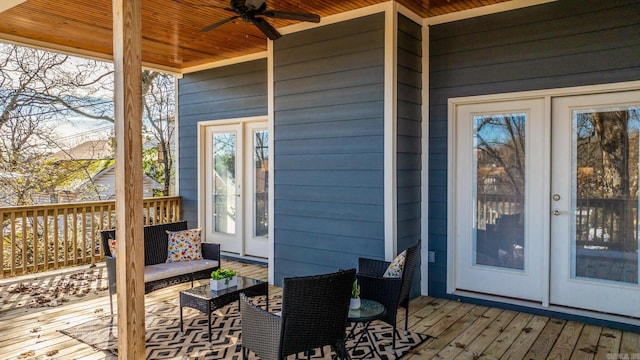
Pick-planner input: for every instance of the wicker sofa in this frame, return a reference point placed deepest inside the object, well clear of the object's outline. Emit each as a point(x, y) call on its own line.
point(158, 273)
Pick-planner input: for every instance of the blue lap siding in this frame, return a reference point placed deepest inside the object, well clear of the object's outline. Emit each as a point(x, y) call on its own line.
point(329, 147)
point(409, 137)
point(228, 92)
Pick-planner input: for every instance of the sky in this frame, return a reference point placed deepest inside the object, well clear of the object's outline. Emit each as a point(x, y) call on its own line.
point(77, 130)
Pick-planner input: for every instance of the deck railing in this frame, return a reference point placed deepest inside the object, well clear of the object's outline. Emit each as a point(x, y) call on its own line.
point(45, 237)
point(609, 223)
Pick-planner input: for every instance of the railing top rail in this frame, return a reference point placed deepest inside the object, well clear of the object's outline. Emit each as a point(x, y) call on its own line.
point(76, 204)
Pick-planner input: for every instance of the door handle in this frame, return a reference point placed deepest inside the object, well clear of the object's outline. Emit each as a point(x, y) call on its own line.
point(556, 212)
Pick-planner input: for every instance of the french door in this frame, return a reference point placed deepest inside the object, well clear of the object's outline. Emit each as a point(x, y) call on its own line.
point(498, 245)
point(546, 206)
point(237, 188)
point(594, 242)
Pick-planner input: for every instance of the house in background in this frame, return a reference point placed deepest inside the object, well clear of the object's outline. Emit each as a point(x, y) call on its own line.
point(374, 119)
point(90, 175)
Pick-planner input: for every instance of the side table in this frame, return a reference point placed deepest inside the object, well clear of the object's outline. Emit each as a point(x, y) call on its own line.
point(369, 310)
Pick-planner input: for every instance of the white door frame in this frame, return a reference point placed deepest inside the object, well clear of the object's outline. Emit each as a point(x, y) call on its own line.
point(229, 242)
point(526, 283)
point(547, 95)
point(202, 166)
point(253, 245)
point(567, 288)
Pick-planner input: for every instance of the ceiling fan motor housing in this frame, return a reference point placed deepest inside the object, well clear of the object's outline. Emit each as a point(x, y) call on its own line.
point(248, 5)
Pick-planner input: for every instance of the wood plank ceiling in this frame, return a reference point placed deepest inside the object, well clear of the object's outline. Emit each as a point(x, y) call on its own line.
point(171, 28)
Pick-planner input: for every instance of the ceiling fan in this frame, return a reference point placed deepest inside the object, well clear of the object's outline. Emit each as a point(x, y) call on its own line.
point(253, 11)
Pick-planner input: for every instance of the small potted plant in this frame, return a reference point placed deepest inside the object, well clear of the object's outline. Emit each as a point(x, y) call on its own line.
point(223, 278)
point(355, 296)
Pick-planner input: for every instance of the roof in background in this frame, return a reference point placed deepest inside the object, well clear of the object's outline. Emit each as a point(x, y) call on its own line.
point(89, 150)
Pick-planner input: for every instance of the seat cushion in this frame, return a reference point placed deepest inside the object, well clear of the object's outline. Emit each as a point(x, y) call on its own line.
point(167, 270)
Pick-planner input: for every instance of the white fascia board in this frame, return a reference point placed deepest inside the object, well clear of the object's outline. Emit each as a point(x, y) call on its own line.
point(483, 10)
point(333, 19)
point(226, 62)
point(8, 4)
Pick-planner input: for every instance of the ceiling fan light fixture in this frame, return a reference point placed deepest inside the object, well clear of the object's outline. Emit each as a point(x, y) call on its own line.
point(253, 4)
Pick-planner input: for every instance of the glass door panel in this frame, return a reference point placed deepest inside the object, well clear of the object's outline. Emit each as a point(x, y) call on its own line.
point(594, 242)
point(496, 250)
point(224, 182)
point(261, 182)
point(499, 147)
point(257, 228)
point(605, 194)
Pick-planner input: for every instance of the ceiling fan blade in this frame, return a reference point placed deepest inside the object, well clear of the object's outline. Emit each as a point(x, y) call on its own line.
point(266, 28)
point(215, 25)
point(292, 15)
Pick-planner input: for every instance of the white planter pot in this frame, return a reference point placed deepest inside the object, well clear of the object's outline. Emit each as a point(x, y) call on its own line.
point(354, 304)
point(223, 284)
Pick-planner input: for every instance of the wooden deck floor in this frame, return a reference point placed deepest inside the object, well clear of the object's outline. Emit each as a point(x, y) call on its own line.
point(460, 330)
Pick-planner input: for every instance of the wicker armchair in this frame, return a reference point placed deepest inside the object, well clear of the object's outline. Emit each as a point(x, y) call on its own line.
point(314, 314)
point(389, 292)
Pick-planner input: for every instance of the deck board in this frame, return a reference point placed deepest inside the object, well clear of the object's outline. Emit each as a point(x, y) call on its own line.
point(565, 345)
point(546, 339)
point(608, 343)
point(460, 330)
point(521, 345)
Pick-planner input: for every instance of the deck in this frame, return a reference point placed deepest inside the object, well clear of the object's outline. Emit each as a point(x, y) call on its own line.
point(460, 330)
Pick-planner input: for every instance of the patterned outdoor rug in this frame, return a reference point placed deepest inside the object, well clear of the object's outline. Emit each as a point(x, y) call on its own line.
point(164, 340)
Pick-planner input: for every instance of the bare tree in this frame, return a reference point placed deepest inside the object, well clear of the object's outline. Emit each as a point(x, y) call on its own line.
point(25, 121)
point(158, 91)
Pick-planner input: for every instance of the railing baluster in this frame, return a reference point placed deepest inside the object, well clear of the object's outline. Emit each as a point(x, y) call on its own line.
point(25, 248)
point(13, 244)
point(56, 239)
point(66, 237)
point(93, 236)
point(36, 241)
point(83, 234)
point(44, 237)
point(2, 246)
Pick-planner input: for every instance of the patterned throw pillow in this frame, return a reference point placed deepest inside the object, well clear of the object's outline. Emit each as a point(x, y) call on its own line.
point(112, 247)
point(184, 245)
point(395, 268)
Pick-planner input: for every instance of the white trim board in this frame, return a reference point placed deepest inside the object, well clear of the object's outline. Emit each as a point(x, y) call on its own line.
point(424, 271)
point(337, 18)
point(8, 4)
point(390, 131)
point(568, 91)
point(483, 10)
point(226, 62)
point(271, 126)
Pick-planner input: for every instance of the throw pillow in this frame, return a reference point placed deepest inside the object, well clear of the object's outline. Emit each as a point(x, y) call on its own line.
point(395, 268)
point(184, 245)
point(112, 247)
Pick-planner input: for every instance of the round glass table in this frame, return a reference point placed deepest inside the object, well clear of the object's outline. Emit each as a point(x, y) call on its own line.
point(369, 310)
